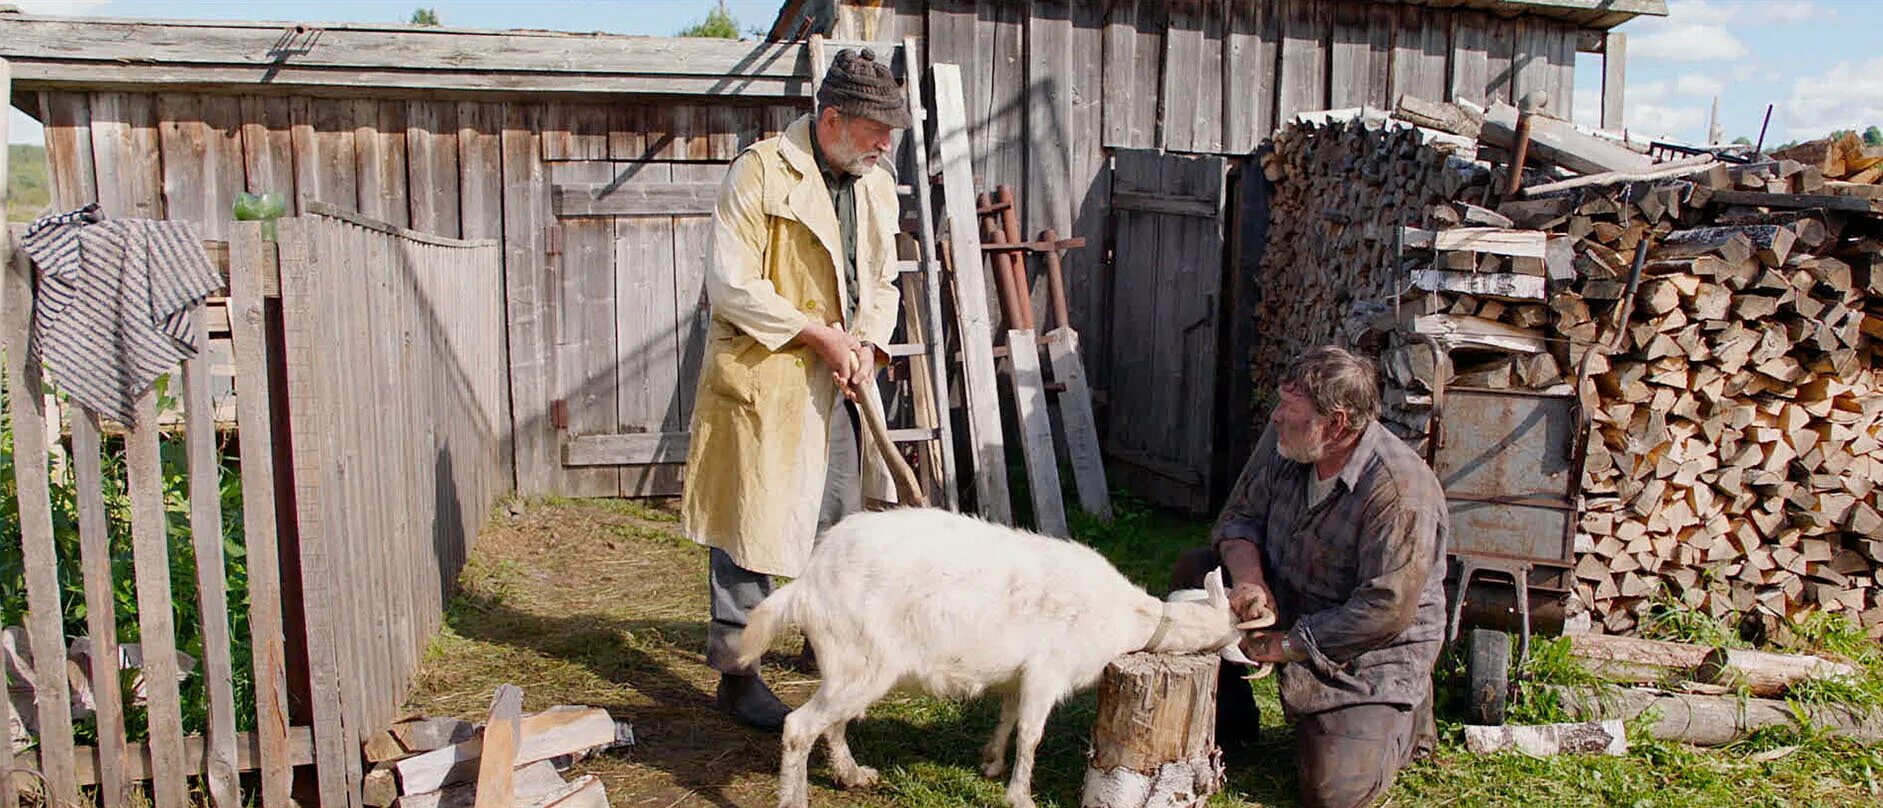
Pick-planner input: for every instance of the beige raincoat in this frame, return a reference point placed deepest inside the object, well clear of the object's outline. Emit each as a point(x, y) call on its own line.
point(761, 420)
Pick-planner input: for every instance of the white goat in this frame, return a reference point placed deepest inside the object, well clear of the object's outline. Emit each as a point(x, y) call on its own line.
point(927, 600)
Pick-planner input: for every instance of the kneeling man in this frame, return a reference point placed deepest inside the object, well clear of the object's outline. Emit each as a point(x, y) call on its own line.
point(1340, 527)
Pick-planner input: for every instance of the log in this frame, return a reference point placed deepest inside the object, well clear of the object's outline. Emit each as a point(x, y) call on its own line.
point(1543, 740)
point(1706, 720)
point(1154, 742)
point(1763, 673)
point(1631, 659)
point(1439, 115)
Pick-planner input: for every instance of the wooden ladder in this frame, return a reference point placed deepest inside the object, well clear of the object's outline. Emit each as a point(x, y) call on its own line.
point(920, 279)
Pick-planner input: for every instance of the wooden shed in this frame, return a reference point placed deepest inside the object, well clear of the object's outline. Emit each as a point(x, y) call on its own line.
point(591, 157)
point(1124, 121)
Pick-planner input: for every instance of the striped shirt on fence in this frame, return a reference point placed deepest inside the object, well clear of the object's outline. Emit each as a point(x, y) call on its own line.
point(113, 307)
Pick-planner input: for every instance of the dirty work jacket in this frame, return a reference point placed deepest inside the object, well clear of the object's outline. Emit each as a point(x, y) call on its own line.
point(1357, 578)
point(756, 463)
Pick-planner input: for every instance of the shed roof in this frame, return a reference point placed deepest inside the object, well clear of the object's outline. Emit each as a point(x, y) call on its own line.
point(379, 59)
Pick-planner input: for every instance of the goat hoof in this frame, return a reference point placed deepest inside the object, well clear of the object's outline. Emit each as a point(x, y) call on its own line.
point(993, 768)
point(1020, 801)
point(859, 778)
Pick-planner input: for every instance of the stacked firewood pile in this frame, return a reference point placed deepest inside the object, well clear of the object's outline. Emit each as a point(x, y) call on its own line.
point(1736, 398)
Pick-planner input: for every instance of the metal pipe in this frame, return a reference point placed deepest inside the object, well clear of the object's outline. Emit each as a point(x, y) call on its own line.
point(1003, 276)
point(1055, 280)
point(1010, 222)
point(1529, 106)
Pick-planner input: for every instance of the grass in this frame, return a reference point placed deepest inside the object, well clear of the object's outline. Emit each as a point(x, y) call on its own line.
point(600, 602)
point(28, 193)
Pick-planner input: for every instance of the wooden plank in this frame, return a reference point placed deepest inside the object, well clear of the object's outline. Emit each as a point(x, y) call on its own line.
point(1306, 26)
point(1614, 80)
point(1499, 285)
point(643, 269)
point(203, 167)
point(379, 147)
point(624, 449)
point(997, 122)
point(1036, 434)
point(431, 144)
point(44, 618)
point(324, 166)
point(1501, 37)
point(1361, 62)
point(1249, 70)
point(301, 753)
point(1470, 57)
point(528, 301)
point(156, 627)
point(305, 349)
point(1047, 199)
point(1795, 201)
point(1133, 62)
point(1557, 141)
point(692, 256)
point(1420, 49)
point(67, 119)
point(211, 573)
point(125, 148)
point(1173, 204)
point(551, 733)
point(1530, 62)
point(502, 737)
point(1181, 89)
point(480, 212)
point(249, 339)
point(373, 318)
point(1561, 80)
point(53, 51)
point(637, 199)
point(1087, 284)
point(268, 148)
point(1081, 428)
point(977, 340)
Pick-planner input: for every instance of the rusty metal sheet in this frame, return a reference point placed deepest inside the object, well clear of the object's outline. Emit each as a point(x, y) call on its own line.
point(1520, 531)
point(1506, 444)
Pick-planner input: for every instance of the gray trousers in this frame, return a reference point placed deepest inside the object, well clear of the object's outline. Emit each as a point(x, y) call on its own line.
point(735, 590)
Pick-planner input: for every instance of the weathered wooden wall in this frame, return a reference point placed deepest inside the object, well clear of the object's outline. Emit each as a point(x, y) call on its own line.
point(582, 326)
point(1055, 84)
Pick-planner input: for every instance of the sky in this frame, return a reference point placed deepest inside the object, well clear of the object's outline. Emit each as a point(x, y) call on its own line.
point(1815, 61)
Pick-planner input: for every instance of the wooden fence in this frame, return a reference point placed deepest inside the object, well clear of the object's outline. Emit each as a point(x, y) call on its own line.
point(369, 382)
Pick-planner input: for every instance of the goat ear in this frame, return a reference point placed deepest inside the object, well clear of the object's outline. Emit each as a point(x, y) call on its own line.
point(1213, 585)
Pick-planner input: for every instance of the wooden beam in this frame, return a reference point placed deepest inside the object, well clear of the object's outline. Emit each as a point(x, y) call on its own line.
point(1203, 207)
point(614, 199)
point(977, 337)
point(1483, 284)
point(1794, 201)
point(247, 751)
point(59, 51)
point(1614, 80)
point(1557, 141)
point(627, 449)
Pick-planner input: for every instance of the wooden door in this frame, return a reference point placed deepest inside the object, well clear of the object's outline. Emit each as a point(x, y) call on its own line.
point(1167, 275)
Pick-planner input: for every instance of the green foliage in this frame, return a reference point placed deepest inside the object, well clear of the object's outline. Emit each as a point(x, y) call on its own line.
point(426, 16)
point(173, 470)
point(718, 24)
point(29, 193)
point(1873, 137)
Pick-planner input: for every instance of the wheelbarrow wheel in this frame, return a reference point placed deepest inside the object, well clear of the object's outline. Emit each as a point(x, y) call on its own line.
point(1487, 672)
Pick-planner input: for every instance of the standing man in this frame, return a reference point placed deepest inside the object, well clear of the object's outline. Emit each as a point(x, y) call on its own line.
point(802, 287)
point(1339, 527)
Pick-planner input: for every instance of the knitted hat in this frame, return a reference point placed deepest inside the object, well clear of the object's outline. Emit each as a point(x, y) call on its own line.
point(858, 84)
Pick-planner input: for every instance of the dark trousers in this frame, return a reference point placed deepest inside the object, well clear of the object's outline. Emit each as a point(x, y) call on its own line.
point(1345, 758)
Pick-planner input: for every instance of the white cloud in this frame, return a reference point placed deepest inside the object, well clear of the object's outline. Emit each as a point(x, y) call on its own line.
point(1700, 42)
point(1846, 96)
point(1586, 107)
point(63, 8)
point(1662, 109)
point(1698, 84)
point(1782, 12)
